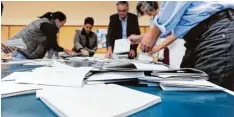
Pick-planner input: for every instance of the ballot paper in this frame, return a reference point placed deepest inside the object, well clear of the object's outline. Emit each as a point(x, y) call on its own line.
point(135, 66)
point(96, 101)
point(13, 76)
point(66, 77)
point(18, 43)
point(10, 88)
point(115, 75)
point(192, 85)
point(121, 46)
point(144, 57)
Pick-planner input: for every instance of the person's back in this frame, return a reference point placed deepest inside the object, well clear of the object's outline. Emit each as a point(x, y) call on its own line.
point(35, 40)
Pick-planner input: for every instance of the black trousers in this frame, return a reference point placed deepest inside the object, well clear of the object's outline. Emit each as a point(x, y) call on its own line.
point(210, 48)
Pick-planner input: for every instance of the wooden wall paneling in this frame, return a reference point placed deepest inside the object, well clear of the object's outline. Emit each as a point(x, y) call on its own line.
point(147, 29)
point(14, 29)
point(4, 33)
point(66, 36)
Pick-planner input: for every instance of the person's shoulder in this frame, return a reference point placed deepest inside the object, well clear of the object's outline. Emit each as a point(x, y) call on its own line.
point(48, 26)
point(132, 15)
point(93, 33)
point(78, 31)
point(114, 16)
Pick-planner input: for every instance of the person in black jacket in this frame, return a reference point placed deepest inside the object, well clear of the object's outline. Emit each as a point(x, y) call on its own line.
point(122, 25)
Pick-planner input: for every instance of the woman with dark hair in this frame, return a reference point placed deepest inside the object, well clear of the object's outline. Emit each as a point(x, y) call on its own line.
point(85, 41)
point(151, 9)
point(41, 36)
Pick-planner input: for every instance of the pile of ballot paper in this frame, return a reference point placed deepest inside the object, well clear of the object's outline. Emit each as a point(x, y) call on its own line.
point(73, 89)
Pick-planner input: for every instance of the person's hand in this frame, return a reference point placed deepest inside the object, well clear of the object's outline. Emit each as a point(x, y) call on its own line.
point(84, 52)
point(132, 54)
point(7, 49)
point(134, 39)
point(70, 52)
point(155, 49)
point(147, 42)
point(108, 54)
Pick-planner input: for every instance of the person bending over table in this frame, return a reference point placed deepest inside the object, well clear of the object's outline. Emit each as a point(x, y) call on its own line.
point(41, 36)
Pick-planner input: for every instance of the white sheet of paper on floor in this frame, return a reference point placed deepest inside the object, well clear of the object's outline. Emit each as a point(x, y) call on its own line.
point(121, 46)
point(97, 101)
point(10, 88)
point(69, 77)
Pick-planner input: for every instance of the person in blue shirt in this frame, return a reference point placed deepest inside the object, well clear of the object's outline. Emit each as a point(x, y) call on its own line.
point(151, 9)
point(207, 28)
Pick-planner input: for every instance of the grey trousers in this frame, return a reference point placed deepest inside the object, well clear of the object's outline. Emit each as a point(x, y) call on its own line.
point(212, 51)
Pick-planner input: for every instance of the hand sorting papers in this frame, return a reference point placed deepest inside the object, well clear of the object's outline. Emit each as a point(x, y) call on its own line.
point(121, 46)
point(18, 43)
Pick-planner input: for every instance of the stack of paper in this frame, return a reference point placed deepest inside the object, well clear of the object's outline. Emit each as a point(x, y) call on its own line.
point(183, 73)
point(55, 77)
point(13, 76)
point(111, 77)
point(135, 66)
point(96, 101)
point(194, 85)
point(9, 88)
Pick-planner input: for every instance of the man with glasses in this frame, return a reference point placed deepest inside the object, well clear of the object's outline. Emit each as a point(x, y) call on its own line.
point(122, 25)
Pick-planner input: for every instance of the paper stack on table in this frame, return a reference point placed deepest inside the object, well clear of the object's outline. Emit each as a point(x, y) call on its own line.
point(72, 77)
point(194, 85)
point(113, 77)
point(10, 88)
point(97, 101)
point(135, 66)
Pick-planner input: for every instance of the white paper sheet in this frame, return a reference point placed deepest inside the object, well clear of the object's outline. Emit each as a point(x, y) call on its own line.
point(72, 77)
point(143, 66)
point(10, 88)
point(193, 85)
point(115, 75)
point(121, 46)
point(13, 76)
point(97, 101)
point(145, 57)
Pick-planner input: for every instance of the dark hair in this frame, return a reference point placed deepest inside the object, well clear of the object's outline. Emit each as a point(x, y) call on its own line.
point(123, 3)
point(148, 5)
point(89, 20)
point(54, 15)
